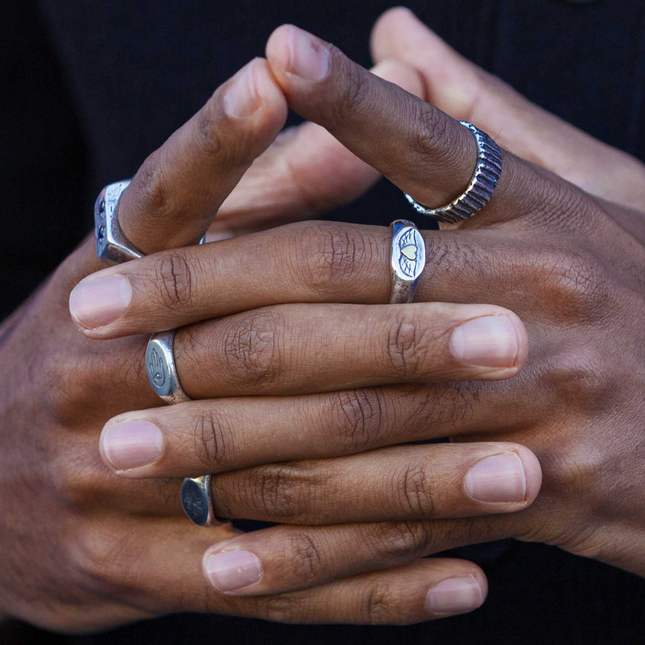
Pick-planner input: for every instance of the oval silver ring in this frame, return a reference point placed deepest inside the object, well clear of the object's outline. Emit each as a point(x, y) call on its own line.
point(161, 368)
point(408, 259)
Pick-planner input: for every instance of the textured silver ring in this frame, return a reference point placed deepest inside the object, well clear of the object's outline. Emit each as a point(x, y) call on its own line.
point(112, 245)
point(488, 170)
point(407, 262)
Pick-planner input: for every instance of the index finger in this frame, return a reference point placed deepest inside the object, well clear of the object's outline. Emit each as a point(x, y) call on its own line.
point(418, 147)
point(179, 188)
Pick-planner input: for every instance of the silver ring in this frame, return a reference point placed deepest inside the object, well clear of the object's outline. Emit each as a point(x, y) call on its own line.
point(112, 245)
point(161, 368)
point(480, 189)
point(197, 501)
point(407, 261)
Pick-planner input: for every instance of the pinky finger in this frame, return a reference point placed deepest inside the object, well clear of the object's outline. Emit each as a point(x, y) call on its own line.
point(414, 593)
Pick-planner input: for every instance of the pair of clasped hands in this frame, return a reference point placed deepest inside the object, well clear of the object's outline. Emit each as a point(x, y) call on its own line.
point(524, 346)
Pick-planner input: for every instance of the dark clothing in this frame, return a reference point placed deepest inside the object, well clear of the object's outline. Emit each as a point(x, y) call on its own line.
point(90, 88)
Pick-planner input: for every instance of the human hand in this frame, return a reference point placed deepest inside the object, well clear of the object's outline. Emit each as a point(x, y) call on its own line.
point(82, 550)
point(568, 263)
point(464, 91)
point(554, 254)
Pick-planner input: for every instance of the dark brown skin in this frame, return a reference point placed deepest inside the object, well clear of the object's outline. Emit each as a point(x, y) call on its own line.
point(84, 550)
point(559, 257)
point(116, 548)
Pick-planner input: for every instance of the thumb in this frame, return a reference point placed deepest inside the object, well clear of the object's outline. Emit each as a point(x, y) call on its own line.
point(465, 91)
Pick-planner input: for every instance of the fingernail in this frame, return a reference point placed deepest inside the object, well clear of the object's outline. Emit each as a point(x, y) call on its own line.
point(499, 478)
point(132, 444)
point(100, 301)
point(307, 57)
point(233, 570)
point(241, 99)
point(490, 341)
point(454, 596)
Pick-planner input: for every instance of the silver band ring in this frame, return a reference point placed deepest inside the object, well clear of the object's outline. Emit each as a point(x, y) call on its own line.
point(480, 189)
point(407, 261)
point(112, 245)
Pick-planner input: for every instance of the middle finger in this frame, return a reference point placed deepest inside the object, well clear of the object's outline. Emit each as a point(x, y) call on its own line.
point(300, 349)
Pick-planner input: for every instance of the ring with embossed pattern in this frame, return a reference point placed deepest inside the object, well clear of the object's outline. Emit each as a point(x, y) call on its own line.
point(112, 245)
point(483, 182)
point(407, 260)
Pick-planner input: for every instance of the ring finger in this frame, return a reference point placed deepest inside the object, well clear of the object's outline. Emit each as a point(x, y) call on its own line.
point(398, 483)
point(418, 147)
point(157, 568)
point(300, 349)
point(198, 437)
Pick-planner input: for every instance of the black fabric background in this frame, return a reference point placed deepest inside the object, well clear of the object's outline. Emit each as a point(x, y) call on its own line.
point(89, 88)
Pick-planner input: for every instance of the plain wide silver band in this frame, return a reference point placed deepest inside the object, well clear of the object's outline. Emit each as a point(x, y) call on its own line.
point(407, 260)
point(483, 182)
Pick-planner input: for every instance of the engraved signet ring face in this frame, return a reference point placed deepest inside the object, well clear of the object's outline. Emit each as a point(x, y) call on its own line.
point(112, 246)
point(161, 368)
point(408, 260)
point(197, 502)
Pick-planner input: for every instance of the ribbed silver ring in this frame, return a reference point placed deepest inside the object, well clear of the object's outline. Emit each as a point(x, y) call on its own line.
point(480, 189)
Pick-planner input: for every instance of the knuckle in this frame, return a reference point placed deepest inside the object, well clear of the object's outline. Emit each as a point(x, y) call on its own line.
point(414, 491)
point(305, 556)
point(331, 254)
point(429, 132)
point(356, 419)
point(174, 278)
point(104, 558)
point(208, 131)
point(573, 283)
point(77, 486)
point(279, 492)
point(379, 607)
point(284, 608)
point(407, 344)
point(151, 186)
point(70, 381)
point(403, 540)
point(61, 386)
point(578, 378)
point(570, 476)
point(212, 443)
point(252, 348)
